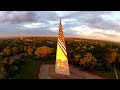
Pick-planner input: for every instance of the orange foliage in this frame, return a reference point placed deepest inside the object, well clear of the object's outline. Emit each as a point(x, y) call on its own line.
point(30, 50)
point(7, 51)
point(43, 51)
point(77, 57)
point(88, 58)
point(111, 57)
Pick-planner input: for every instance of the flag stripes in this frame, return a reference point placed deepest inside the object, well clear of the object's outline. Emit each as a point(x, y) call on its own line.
point(63, 51)
point(61, 44)
point(61, 41)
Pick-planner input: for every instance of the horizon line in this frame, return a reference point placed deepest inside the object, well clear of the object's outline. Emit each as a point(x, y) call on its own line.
point(57, 36)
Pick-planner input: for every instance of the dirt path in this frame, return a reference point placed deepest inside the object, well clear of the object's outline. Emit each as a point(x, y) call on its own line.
point(75, 73)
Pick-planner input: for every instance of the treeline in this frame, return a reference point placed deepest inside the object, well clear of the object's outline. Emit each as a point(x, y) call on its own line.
point(94, 56)
point(86, 54)
point(34, 50)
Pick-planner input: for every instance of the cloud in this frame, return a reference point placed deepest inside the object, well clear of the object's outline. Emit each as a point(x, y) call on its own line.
point(33, 25)
point(98, 19)
point(84, 24)
point(45, 16)
point(12, 35)
point(95, 33)
point(99, 22)
point(65, 14)
point(17, 16)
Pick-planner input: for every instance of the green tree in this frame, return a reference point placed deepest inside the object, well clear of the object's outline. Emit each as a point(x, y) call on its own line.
point(91, 47)
point(84, 47)
point(14, 50)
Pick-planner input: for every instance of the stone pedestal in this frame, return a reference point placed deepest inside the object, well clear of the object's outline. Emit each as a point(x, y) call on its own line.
point(53, 74)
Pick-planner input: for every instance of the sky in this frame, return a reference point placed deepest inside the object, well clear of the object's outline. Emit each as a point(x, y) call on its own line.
point(102, 25)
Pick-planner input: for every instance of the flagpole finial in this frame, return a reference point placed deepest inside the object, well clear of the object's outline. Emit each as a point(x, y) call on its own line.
point(60, 20)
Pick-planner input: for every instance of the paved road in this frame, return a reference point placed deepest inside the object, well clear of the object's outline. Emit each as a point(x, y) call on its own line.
point(16, 56)
point(46, 72)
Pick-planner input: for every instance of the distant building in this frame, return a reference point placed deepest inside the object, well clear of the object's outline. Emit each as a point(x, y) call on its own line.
point(77, 40)
point(69, 42)
point(21, 38)
point(28, 40)
point(50, 42)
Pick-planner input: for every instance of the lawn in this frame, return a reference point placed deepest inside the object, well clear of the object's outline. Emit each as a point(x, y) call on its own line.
point(107, 74)
point(30, 69)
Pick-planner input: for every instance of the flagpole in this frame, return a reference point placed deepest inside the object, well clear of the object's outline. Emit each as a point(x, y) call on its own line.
point(61, 66)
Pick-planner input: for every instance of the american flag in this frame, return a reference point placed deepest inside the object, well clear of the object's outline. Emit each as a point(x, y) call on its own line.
point(61, 41)
point(62, 66)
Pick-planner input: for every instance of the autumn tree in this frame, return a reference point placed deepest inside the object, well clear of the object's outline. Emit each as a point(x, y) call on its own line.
point(30, 50)
point(88, 61)
point(7, 51)
point(111, 57)
point(76, 58)
point(43, 51)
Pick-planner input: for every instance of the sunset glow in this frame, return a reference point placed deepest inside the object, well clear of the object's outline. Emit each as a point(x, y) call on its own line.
point(102, 25)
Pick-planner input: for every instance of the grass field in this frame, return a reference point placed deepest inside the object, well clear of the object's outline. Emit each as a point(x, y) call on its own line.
point(107, 74)
point(30, 69)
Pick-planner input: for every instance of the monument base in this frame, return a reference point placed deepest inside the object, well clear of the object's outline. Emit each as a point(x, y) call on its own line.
point(53, 74)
